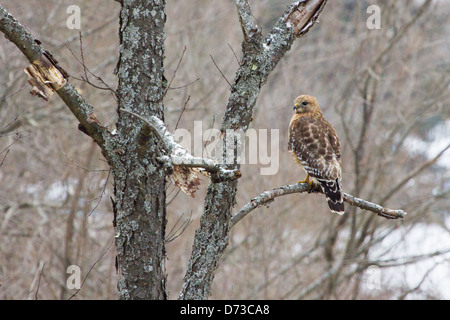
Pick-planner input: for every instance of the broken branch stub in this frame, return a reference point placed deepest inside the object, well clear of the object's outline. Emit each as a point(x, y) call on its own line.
point(304, 15)
point(186, 179)
point(45, 76)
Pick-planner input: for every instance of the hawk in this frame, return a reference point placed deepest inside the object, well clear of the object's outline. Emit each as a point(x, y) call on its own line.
point(315, 147)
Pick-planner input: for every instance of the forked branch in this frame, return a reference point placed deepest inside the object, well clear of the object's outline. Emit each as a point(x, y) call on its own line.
point(260, 56)
point(178, 155)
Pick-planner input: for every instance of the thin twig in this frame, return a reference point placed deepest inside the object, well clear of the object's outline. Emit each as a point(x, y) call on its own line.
point(13, 93)
point(82, 56)
point(182, 111)
point(183, 86)
point(421, 282)
point(39, 281)
point(402, 261)
point(319, 281)
point(168, 203)
point(9, 146)
point(210, 132)
point(175, 72)
point(86, 70)
point(175, 233)
point(3, 160)
point(90, 269)
point(100, 197)
point(220, 70)
point(88, 32)
point(396, 38)
point(79, 165)
point(10, 123)
point(234, 53)
point(281, 272)
point(414, 173)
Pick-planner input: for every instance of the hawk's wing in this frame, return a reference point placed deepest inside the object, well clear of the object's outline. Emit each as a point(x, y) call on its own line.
point(315, 146)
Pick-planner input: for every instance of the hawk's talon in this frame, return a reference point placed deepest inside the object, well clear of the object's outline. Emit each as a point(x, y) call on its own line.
point(309, 182)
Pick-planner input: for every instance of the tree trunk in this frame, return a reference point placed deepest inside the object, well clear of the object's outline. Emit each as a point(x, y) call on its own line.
point(139, 180)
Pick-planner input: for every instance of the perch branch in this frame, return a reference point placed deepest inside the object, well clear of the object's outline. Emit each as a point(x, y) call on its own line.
point(268, 196)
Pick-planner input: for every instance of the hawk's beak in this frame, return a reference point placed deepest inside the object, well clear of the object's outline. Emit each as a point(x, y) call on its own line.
point(295, 107)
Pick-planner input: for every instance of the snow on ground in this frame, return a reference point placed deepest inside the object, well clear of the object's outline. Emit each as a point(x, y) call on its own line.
point(439, 140)
point(422, 239)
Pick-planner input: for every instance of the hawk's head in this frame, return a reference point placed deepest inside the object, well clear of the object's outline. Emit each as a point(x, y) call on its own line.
point(305, 103)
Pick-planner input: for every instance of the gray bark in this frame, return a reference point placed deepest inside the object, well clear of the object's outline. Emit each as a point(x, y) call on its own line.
point(139, 180)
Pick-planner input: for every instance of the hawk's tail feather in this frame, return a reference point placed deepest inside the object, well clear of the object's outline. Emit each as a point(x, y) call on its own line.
point(333, 192)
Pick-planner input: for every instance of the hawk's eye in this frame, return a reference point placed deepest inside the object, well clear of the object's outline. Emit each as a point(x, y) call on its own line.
point(304, 103)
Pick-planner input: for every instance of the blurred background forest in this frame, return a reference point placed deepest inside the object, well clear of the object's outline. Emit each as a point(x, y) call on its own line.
point(386, 91)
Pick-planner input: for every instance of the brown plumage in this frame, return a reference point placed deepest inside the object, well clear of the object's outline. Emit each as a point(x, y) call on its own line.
point(315, 147)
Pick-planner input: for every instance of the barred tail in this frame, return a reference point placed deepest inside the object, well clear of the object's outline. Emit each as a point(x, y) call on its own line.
point(333, 192)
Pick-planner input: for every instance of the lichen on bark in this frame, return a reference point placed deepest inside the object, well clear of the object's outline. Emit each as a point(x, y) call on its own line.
point(139, 203)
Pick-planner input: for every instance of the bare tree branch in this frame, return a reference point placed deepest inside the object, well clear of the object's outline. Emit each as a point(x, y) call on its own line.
point(267, 197)
point(31, 48)
point(381, 211)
